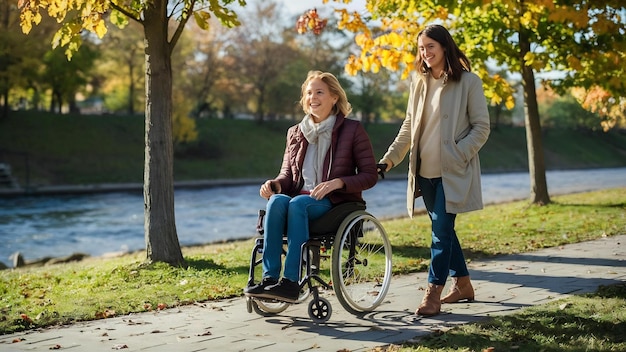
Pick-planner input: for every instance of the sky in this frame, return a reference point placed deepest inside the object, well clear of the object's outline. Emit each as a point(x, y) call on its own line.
point(299, 6)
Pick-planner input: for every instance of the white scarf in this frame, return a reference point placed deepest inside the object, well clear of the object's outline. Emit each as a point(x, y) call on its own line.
point(319, 137)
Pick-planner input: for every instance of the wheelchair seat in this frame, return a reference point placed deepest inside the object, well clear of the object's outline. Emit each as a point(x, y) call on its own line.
point(328, 224)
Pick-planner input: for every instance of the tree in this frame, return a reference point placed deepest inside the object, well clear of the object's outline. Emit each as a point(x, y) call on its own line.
point(260, 53)
point(20, 58)
point(163, 22)
point(66, 78)
point(122, 63)
point(585, 40)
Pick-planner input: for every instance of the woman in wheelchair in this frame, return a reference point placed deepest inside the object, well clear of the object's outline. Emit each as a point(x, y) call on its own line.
point(328, 160)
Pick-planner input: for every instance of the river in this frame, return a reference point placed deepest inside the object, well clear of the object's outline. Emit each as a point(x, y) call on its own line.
point(96, 224)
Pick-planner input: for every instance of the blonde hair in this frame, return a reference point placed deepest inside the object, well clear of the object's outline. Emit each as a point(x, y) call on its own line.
point(342, 106)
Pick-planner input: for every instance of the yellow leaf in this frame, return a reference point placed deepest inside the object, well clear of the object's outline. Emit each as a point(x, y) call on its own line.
point(367, 62)
point(100, 29)
point(526, 19)
point(202, 19)
point(510, 103)
point(529, 58)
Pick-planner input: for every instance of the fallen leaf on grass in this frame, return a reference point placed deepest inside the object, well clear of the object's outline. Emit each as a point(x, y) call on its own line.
point(564, 305)
point(26, 318)
point(108, 313)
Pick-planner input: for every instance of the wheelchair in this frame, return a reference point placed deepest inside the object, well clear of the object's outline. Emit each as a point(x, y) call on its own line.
point(349, 245)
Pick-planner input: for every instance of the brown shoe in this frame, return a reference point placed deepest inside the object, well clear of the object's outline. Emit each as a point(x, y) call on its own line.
point(431, 303)
point(461, 289)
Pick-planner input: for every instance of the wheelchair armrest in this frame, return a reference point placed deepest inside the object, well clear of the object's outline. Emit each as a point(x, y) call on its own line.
point(259, 224)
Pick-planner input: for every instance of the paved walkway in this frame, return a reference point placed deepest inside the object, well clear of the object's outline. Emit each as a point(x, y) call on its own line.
point(503, 285)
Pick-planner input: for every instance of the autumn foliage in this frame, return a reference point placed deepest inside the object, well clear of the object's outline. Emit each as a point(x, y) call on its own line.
point(583, 41)
point(311, 21)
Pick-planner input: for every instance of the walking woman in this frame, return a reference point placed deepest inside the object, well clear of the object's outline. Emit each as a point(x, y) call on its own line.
point(328, 160)
point(446, 124)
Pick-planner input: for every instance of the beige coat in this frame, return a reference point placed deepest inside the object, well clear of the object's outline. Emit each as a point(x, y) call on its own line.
point(464, 130)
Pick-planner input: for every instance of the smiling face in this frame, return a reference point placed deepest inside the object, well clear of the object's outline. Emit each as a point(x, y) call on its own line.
point(432, 53)
point(319, 101)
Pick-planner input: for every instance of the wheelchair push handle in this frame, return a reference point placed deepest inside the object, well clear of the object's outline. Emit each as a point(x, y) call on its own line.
point(381, 168)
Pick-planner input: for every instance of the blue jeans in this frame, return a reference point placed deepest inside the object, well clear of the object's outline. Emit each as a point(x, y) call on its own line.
point(290, 215)
point(446, 255)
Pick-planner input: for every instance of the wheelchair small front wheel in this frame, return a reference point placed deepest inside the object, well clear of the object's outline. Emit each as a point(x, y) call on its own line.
point(320, 310)
point(361, 263)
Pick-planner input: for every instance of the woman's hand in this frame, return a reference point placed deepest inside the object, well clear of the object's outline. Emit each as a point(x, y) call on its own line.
point(268, 188)
point(323, 189)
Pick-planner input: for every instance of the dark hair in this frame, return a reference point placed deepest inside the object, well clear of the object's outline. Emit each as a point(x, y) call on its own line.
point(456, 61)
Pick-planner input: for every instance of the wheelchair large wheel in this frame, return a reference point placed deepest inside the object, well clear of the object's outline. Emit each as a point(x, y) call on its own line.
point(361, 263)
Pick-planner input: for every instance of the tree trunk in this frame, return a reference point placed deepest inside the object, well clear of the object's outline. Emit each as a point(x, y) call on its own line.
point(160, 226)
point(131, 87)
point(536, 164)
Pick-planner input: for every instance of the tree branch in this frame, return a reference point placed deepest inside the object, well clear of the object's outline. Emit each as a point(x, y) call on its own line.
point(127, 13)
point(186, 14)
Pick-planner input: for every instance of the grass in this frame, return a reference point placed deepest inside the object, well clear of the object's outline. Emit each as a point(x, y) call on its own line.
point(590, 322)
point(102, 287)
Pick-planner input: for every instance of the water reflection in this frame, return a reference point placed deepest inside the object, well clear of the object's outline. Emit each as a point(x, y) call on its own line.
point(102, 223)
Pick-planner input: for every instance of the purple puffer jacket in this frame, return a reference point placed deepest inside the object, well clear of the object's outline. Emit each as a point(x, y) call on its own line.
point(350, 157)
